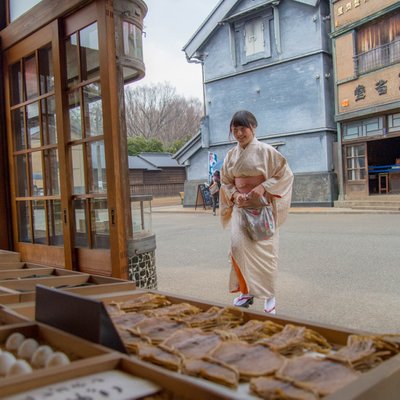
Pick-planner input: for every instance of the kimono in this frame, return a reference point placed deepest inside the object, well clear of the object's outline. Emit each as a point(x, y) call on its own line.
point(254, 263)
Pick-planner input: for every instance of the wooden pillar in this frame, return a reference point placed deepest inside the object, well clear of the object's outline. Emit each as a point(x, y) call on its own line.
point(5, 208)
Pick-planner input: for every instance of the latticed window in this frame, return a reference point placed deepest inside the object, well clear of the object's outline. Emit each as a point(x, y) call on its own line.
point(86, 139)
point(355, 162)
point(33, 123)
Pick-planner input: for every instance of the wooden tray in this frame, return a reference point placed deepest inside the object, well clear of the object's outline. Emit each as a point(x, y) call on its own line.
point(79, 350)
point(9, 316)
point(80, 283)
point(182, 387)
point(34, 273)
point(381, 382)
point(20, 265)
point(9, 296)
point(9, 256)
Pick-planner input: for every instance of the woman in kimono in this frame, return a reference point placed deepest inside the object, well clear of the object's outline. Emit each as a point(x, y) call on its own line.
point(253, 173)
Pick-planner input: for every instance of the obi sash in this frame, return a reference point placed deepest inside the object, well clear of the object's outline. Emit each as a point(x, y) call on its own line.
point(245, 184)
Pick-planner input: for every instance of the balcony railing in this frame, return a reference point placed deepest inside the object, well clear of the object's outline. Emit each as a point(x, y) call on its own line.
point(377, 58)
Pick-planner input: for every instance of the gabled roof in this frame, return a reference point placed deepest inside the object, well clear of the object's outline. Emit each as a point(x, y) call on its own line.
point(135, 162)
point(159, 160)
point(218, 14)
point(153, 161)
point(188, 149)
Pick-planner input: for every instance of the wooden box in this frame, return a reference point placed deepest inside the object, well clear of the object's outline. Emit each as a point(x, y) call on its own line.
point(25, 310)
point(33, 271)
point(9, 296)
point(77, 349)
point(9, 316)
point(19, 265)
point(9, 256)
point(381, 382)
point(80, 283)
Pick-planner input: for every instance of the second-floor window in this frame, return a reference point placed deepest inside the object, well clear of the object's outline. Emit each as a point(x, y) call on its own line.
point(378, 44)
point(254, 39)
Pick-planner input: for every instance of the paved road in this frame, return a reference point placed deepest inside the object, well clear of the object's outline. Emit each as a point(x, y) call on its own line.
point(335, 269)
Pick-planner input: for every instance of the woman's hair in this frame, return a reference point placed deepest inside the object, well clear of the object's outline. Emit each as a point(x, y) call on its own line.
point(243, 118)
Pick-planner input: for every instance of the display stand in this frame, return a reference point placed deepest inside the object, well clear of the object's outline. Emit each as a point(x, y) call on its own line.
point(203, 196)
point(80, 316)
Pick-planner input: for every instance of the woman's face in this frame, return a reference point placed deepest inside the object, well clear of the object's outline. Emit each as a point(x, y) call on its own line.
point(243, 135)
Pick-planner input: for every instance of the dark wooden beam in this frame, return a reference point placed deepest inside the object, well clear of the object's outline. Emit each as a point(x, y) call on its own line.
point(45, 12)
point(5, 209)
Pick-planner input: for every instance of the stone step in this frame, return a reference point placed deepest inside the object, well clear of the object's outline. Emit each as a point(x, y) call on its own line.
point(370, 204)
point(376, 207)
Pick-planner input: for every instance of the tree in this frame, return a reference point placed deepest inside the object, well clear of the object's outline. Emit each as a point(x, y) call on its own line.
point(158, 112)
point(140, 144)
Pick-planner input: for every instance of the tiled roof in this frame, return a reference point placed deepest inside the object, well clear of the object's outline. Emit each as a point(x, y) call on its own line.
point(153, 161)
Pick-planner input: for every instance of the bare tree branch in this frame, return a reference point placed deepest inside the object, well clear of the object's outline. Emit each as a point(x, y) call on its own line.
point(157, 111)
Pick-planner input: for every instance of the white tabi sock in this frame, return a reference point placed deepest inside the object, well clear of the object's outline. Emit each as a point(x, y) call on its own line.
point(269, 305)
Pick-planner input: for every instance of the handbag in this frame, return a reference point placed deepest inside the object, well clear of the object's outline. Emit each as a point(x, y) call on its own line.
point(259, 222)
point(214, 189)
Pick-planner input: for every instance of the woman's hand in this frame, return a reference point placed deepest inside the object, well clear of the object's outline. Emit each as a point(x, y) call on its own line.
point(239, 199)
point(256, 193)
point(255, 198)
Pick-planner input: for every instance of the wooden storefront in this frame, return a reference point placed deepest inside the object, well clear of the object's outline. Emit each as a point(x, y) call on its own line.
point(64, 135)
point(366, 42)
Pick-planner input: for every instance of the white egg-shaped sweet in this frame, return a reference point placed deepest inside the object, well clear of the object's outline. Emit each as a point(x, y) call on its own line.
point(56, 359)
point(27, 348)
point(20, 367)
point(7, 360)
point(40, 356)
point(14, 341)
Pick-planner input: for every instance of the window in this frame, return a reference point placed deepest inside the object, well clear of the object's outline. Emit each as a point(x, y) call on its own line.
point(378, 44)
point(86, 139)
point(33, 123)
point(132, 41)
point(365, 127)
point(254, 37)
point(355, 162)
point(394, 122)
point(254, 41)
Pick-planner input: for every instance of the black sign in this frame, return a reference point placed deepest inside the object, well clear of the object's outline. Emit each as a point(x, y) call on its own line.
point(81, 316)
point(203, 196)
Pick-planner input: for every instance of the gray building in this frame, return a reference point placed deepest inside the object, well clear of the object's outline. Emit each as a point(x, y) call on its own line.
point(274, 59)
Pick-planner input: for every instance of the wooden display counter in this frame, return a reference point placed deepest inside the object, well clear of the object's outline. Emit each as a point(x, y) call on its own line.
point(381, 380)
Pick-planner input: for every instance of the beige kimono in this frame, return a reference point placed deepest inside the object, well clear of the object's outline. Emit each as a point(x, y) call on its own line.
point(254, 264)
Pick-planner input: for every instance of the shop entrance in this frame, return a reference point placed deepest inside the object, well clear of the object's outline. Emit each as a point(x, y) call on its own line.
point(384, 166)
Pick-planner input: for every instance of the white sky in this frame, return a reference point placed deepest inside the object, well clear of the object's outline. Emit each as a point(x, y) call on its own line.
point(169, 24)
